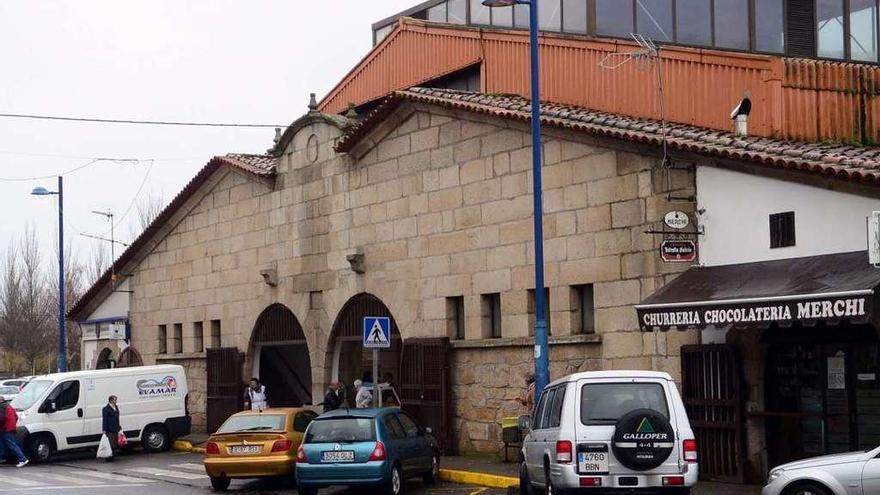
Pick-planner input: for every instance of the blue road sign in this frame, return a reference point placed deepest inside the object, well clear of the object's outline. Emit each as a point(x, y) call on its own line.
point(377, 332)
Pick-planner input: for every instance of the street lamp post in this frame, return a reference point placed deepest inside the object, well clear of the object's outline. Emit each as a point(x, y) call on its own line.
point(62, 337)
point(542, 361)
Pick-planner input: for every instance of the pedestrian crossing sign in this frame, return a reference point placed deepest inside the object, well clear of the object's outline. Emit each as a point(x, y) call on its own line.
point(377, 332)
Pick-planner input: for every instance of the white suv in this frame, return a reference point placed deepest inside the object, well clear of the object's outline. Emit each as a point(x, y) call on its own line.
point(618, 431)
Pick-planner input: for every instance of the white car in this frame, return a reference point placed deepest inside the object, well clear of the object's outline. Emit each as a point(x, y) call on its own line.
point(623, 431)
point(8, 393)
point(16, 382)
point(853, 473)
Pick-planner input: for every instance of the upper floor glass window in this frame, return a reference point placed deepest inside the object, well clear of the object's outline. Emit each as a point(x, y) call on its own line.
point(456, 11)
point(863, 30)
point(693, 22)
point(614, 18)
point(654, 19)
point(769, 26)
point(829, 28)
point(574, 16)
point(480, 14)
point(549, 15)
point(732, 24)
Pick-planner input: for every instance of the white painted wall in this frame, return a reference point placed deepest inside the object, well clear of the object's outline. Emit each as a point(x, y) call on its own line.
point(116, 304)
point(737, 226)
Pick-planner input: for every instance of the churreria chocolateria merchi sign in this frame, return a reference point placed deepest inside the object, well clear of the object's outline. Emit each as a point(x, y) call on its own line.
point(754, 313)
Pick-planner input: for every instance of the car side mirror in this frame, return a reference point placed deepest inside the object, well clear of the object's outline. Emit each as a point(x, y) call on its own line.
point(524, 423)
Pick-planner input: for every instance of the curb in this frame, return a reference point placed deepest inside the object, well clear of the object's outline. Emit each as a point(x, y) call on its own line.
point(479, 479)
point(182, 446)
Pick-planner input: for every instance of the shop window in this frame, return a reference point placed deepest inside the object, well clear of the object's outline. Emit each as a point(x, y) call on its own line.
point(863, 30)
point(732, 24)
point(177, 339)
point(163, 339)
point(654, 19)
point(829, 28)
point(215, 334)
point(480, 14)
point(491, 317)
point(455, 317)
point(693, 22)
point(782, 230)
point(502, 17)
point(456, 11)
point(549, 15)
point(584, 309)
point(198, 337)
point(769, 26)
point(532, 304)
point(437, 13)
point(574, 16)
point(614, 18)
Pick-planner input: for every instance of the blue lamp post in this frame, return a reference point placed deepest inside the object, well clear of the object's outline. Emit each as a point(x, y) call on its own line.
point(542, 361)
point(62, 337)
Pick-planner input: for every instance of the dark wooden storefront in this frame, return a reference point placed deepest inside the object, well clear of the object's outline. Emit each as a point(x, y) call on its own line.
point(224, 385)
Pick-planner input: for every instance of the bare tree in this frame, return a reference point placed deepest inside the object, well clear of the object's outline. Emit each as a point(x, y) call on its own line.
point(148, 208)
point(74, 287)
point(98, 262)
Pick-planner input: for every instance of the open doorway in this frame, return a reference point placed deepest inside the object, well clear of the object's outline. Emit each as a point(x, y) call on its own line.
point(281, 358)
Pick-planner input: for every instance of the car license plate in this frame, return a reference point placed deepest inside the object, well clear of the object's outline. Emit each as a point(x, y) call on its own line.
point(337, 456)
point(246, 449)
point(592, 462)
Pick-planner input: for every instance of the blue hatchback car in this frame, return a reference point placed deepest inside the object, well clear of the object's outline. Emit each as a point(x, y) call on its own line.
point(365, 447)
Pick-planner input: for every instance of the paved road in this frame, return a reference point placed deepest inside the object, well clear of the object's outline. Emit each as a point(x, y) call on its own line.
point(170, 473)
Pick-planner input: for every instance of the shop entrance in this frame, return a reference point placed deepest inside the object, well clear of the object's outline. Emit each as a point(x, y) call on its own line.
point(281, 357)
point(822, 396)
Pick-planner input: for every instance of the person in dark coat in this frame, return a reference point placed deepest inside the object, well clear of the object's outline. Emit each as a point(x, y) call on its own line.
point(111, 426)
point(331, 398)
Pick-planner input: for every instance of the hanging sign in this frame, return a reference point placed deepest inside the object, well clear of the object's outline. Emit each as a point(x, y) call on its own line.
point(676, 220)
point(678, 251)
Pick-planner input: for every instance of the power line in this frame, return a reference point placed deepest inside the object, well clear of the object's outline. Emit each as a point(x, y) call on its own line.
point(132, 121)
point(42, 177)
point(133, 199)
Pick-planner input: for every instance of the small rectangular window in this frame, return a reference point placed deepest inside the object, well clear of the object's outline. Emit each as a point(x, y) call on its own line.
point(614, 18)
point(556, 408)
point(532, 304)
point(198, 337)
point(491, 306)
point(654, 19)
point(693, 22)
point(829, 28)
point(178, 338)
point(547, 406)
point(574, 16)
point(480, 14)
point(549, 15)
point(163, 339)
point(456, 11)
point(732, 24)
point(782, 232)
point(455, 317)
point(437, 13)
point(215, 334)
point(584, 309)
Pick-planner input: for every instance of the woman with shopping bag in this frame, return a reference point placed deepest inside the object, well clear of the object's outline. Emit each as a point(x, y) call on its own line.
point(111, 430)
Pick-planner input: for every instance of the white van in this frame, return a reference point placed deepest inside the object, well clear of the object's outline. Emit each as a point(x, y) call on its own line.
point(62, 411)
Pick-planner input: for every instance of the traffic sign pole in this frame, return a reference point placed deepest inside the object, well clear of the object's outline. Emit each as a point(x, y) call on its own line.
point(375, 377)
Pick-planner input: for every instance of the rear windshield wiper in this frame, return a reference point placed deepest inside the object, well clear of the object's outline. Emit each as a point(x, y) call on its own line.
point(256, 428)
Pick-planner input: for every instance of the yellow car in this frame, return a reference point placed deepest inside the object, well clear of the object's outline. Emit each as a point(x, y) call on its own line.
point(256, 444)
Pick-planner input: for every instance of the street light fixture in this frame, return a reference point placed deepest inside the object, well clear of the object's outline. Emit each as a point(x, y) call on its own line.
point(62, 337)
point(542, 358)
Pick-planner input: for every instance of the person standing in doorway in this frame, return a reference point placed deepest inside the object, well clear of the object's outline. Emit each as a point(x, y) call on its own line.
point(256, 396)
point(110, 424)
point(364, 398)
point(8, 442)
point(332, 400)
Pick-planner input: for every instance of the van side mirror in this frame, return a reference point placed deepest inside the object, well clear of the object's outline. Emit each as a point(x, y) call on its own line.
point(524, 423)
point(52, 406)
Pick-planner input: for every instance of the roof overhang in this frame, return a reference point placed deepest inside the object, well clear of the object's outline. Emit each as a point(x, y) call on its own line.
point(830, 288)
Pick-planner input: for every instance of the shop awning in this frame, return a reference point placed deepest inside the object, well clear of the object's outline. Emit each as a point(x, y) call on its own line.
point(830, 288)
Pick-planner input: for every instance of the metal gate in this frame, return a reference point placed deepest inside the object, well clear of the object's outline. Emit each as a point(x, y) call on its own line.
point(225, 390)
point(712, 393)
point(424, 386)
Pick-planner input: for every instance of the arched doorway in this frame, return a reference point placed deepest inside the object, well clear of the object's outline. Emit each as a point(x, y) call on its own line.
point(129, 357)
point(104, 358)
point(347, 359)
point(281, 357)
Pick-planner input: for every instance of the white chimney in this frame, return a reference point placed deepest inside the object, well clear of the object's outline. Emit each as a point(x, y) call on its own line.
point(741, 125)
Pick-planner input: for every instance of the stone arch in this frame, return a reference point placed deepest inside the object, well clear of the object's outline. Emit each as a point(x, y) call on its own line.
point(129, 357)
point(280, 357)
point(346, 360)
point(104, 358)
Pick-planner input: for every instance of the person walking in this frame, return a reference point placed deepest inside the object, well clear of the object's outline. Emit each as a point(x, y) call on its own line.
point(110, 426)
point(332, 400)
point(364, 398)
point(256, 396)
point(8, 441)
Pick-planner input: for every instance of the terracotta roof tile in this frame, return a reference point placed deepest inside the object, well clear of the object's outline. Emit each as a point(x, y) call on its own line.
point(845, 162)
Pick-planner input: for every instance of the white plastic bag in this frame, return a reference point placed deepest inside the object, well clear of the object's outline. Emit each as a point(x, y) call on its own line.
point(105, 450)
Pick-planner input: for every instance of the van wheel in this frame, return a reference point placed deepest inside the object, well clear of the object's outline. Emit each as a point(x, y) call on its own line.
point(155, 439)
point(525, 484)
point(807, 488)
point(41, 448)
point(220, 484)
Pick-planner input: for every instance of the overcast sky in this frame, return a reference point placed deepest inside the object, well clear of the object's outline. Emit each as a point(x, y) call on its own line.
point(251, 61)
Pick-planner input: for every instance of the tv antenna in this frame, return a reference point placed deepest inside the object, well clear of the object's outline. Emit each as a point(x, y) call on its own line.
point(112, 240)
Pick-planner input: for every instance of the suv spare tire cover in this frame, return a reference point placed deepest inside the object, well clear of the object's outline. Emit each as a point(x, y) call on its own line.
point(643, 439)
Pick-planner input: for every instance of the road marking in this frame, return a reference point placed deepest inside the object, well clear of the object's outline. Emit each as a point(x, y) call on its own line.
point(169, 474)
point(190, 465)
point(110, 476)
point(62, 478)
point(76, 487)
point(17, 481)
point(477, 492)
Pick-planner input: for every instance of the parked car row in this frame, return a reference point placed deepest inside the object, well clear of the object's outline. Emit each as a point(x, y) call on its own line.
point(379, 448)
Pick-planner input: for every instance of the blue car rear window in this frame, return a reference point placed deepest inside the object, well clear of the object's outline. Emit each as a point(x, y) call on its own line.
point(339, 430)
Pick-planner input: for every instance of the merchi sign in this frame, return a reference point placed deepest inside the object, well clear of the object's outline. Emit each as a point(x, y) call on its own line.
point(753, 314)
